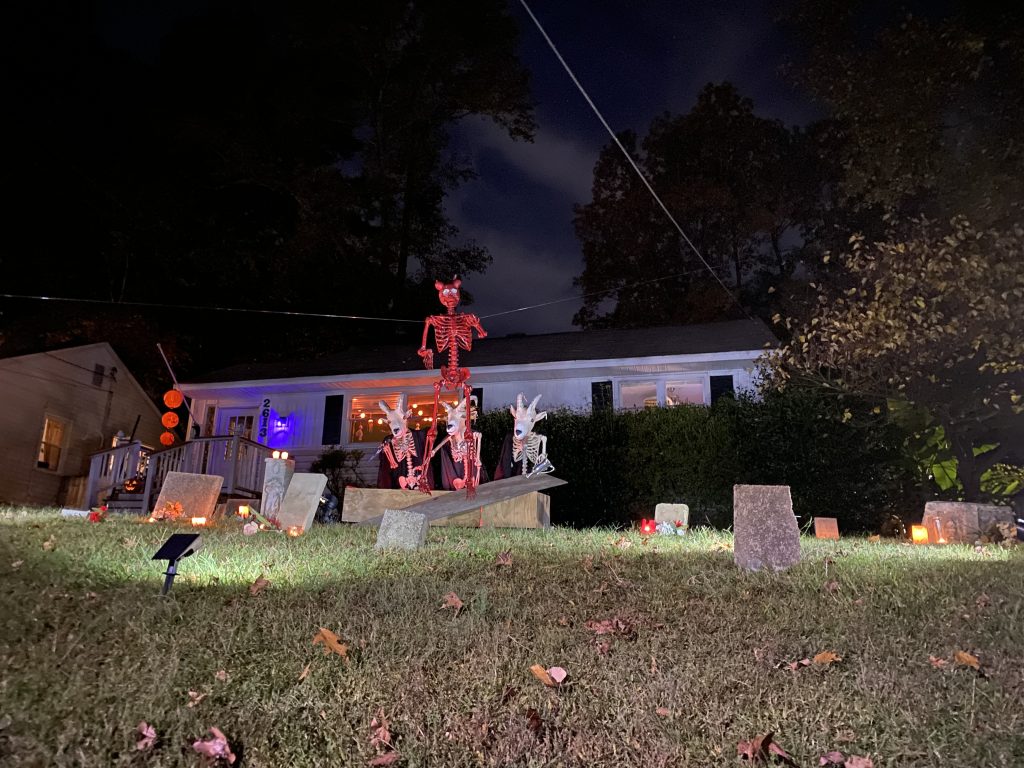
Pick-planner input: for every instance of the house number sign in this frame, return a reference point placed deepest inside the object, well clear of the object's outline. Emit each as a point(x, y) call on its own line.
point(264, 419)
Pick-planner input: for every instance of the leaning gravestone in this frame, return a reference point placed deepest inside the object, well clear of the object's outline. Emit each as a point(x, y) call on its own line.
point(298, 508)
point(764, 527)
point(826, 528)
point(401, 529)
point(959, 522)
point(669, 513)
point(277, 474)
point(197, 494)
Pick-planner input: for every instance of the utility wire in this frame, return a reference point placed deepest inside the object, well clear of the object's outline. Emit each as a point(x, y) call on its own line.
point(629, 158)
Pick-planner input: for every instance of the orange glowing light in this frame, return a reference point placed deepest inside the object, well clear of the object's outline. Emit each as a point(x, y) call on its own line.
point(243, 510)
point(919, 534)
point(198, 521)
point(294, 530)
point(276, 454)
point(167, 438)
point(284, 454)
point(170, 420)
point(173, 398)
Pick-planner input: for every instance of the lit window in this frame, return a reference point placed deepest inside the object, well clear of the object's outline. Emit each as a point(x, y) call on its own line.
point(50, 445)
point(636, 395)
point(686, 391)
point(368, 424)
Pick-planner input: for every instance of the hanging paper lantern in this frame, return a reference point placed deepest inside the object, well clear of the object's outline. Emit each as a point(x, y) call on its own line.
point(170, 420)
point(173, 398)
point(167, 438)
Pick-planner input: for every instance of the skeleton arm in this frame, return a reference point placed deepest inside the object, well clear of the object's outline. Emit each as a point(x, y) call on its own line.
point(389, 453)
point(477, 439)
point(474, 323)
point(426, 354)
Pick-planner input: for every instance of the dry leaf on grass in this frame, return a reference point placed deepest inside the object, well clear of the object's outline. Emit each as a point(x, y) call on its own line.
point(856, 761)
point(793, 666)
point(222, 675)
point(451, 600)
point(983, 601)
point(304, 674)
point(332, 643)
point(875, 539)
point(762, 749)
point(146, 736)
point(533, 720)
point(563, 621)
point(389, 758)
point(623, 543)
point(194, 697)
point(833, 758)
point(17, 564)
point(936, 662)
point(258, 586)
point(831, 587)
point(49, 544)
point(967, 659)
point(603, 648)
point(215, 747)
point(380, 734)
point(663, 712)
point(612, 626)
point(826, 658)
point(587, 562)
point(504, 558)
point(551, 677)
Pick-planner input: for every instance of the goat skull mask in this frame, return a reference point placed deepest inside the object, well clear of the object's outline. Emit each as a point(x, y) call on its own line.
point(524, 416)
point(398, 417)
point(455, 422)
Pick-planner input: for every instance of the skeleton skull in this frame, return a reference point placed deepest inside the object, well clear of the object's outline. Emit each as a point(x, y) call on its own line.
point(449, 293)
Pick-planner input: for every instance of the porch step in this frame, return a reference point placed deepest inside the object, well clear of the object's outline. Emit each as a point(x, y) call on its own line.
point(125, 504)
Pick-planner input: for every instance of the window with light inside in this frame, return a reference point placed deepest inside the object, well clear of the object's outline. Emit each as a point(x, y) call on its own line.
point(50, 445)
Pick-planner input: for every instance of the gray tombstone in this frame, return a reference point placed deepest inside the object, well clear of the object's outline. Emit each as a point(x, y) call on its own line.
point(764, 527)
point(669, 513)
point(401, 529)
point(298, 508)
point(960, 522)
point(277, 474)
point(197, 494)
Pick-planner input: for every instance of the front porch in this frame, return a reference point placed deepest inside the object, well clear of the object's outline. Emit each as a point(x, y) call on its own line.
point(129, 477)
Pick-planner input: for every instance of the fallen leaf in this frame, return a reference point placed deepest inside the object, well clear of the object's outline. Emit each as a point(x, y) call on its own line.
point(967, 660)
point(17, 564)
point(859, 601)
point(588, 563)
point(654, 665)
point(504, 558)
point(762, 749)
point(563, 621)
point(856, 761)
point(875, 539)
point(533, 720)
point(543, 675)
point(510, 692)
point(721, 546)
point(194, 697)
point(215, 747)
point(222, 675)
point(623, 543)
point(451, 600)
point(793, 666)
point(49, 544)
point(147, 736)
point(663, 712)
point(603, 648)
point(304, 674)
point(386, 759)
point(380, 735)
point(833, 758)
point(557, 674)
point(332, 643)
point(983, 601)
point(937, 662)
point(826, 658)
point(831, 586)
point(258, 586)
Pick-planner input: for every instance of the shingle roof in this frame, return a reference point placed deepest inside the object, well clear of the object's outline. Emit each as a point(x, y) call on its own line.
point(521, 349)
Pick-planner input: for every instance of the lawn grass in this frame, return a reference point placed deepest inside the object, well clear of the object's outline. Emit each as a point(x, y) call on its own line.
point(88, 649)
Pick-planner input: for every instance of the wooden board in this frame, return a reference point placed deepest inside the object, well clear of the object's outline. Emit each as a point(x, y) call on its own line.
point(487, 497)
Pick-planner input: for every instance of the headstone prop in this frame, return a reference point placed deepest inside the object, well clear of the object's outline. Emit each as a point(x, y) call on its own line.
point(765, 531)
point(188, 495)
point(178, 546)
point(958, 522)
point(401, 529)
point(277, 474)
point(826, 528)
point(452, 331)
point(524, 451)
point(672, 519)
point(301, 500)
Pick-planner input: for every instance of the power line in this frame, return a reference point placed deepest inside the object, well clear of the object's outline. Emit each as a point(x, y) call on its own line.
point(629, 158)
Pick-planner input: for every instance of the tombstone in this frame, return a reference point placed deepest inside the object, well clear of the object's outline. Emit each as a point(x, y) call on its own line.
point(960, 522)
point(826, 528)
point(764, 527)
point(197, 494)
point(277, 474)
point(669, 513)
point(401, 529)
point(301, 500)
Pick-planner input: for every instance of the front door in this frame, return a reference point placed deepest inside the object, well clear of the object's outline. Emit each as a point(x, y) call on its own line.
point(231, 422)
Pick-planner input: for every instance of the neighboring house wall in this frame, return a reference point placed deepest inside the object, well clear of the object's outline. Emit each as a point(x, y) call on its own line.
point(67, 386)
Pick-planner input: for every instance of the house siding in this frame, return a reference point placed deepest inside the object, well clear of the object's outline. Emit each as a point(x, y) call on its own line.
point(61, 384)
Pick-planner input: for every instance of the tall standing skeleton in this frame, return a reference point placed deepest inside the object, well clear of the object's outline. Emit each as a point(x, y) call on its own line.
point(452, 331)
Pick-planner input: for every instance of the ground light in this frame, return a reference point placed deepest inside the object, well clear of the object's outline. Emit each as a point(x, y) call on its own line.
point(178, 546)
point(919, 534)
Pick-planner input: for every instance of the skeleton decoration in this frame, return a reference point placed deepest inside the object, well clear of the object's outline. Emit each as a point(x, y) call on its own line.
point(401, 447)
point(452, 331)
point(461, 448)
point(529, 448)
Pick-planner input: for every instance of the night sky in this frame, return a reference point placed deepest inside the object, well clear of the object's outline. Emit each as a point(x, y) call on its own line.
point(636, 60)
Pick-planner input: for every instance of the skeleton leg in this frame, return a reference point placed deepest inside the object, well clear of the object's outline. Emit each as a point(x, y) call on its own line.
point(470, 459)
point(428, 450)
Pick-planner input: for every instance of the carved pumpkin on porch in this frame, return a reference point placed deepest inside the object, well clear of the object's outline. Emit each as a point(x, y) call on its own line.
point(169, 420)
point(173, 398)
point(167, 438)
point(131, 485)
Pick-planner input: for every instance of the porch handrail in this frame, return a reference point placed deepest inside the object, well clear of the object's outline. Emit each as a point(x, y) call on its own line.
point(110, 467)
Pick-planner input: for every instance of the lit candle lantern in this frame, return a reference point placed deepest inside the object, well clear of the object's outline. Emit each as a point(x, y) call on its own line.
point(284, 454)
point(276, 454)
point(648, 526)
point(294, 530)
point(197, 521)
point(919, 534)
point(243, 510)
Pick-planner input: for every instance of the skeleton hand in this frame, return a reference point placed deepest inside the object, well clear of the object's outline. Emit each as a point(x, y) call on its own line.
point(428, 357)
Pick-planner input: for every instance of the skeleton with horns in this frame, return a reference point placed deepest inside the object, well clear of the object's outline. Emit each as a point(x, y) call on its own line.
point(524, 451)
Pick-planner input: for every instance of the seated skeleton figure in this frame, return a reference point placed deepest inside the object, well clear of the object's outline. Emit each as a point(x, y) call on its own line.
point(524, 451)
point(457, 446)
point(401, 452)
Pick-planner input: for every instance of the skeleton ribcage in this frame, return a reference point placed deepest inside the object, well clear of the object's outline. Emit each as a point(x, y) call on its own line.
point(532, 446)
point(406, 446)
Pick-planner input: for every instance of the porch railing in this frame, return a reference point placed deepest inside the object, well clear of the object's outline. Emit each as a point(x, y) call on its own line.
point(239, 461)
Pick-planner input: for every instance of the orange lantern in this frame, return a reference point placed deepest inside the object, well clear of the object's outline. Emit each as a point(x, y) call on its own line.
point(167, 438)
point(294, 530)
point(198, 521)
point(170, 420)
point(919, 534)
point(173, 398)
point(243, 510)
point(131, 485)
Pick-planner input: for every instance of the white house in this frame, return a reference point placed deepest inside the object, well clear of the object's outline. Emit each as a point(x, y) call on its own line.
point(305, 407)
point(59, 407)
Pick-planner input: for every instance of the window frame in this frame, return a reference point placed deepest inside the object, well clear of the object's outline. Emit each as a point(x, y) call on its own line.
point(65, 424)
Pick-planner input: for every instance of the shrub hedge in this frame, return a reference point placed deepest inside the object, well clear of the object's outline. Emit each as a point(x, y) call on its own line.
point(619, 465)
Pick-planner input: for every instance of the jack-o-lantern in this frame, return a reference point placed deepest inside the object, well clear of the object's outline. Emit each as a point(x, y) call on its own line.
point(167, 438)
point(170, 420)
point(131, 485)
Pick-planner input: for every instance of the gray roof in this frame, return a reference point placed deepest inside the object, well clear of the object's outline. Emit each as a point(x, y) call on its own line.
point(520, 349)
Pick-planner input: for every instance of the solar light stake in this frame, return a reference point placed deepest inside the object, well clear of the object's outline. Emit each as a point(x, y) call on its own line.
point(178, 546)
point(169, 575)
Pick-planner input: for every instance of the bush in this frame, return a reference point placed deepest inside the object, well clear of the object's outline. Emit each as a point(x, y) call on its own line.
point(619, 465)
